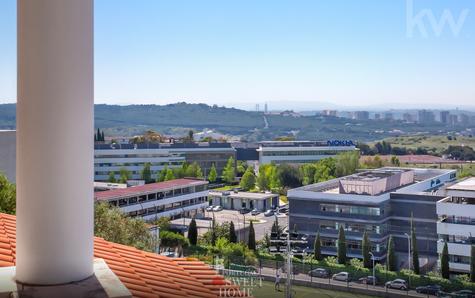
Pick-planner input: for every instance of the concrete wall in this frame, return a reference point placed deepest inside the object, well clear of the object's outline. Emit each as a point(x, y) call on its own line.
point(8, 154)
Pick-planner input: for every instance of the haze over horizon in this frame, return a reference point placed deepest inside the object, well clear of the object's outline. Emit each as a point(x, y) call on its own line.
point(304, 55)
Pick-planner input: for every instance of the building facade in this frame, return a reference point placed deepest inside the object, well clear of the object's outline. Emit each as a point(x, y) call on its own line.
point(111, 158)
point(238, 200)
point(8, 154)
point(381, 202)
point(174, 199)
point(456, 224)
point(279, 152)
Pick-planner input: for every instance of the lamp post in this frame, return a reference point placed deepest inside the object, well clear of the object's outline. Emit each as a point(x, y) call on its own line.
point(374, 270)
point(408, 250)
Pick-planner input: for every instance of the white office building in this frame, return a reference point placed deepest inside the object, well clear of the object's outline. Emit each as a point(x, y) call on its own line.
point(174, 199)
point(456, 224)
point(301, 151)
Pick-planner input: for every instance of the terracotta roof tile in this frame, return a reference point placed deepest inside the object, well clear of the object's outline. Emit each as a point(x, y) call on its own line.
point(145, 274)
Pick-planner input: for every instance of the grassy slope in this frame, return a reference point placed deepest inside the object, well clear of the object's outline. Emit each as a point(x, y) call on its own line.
point(439, 143)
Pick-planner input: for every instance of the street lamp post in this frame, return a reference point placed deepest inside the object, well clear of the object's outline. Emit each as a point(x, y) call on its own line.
point(374, 271)
point(408, 250)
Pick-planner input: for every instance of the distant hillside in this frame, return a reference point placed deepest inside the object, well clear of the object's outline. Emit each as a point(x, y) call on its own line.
point(178, 118)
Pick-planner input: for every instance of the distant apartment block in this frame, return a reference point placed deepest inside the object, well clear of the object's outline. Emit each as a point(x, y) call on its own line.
point(456, 224)
point(111, 158)
point(8, 154)
point(330, 113)
point(361, 115)
point(380, 202)
point(425, 116)
point(444, 117)
point(174, 199)
point(408, 117)
point(301, 151)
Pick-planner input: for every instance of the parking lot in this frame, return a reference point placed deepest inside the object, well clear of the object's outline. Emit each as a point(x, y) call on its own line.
point(262, 224)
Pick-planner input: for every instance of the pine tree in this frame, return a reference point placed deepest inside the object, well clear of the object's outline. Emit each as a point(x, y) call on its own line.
point(102, 137)
point(252, 237)
point(232, 233)
point(366, 248)
point(213, 174)
point(317, 248)
point(248, 180)
point(444, 262)
point(229, 171)
point(341, 246)
point(193, 232)
point(472, 263)
point(213, 232)
point(112, 177)
point(391, 260)
point(98, 135)
point(146, 173)
point(415, 254)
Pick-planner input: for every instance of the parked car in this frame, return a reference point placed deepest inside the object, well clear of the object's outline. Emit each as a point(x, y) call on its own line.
point(244, 210)
point(399, 284)
point(464, 294)
point(209, 208)
point(429, 289)
point(341, 276)
point(255, 212)
point(368, 280)
point(304, 237)
point(319, 272)
point(269, 212)
point(217, 208)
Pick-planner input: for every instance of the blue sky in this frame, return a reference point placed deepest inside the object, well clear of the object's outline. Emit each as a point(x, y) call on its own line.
point(288, 53)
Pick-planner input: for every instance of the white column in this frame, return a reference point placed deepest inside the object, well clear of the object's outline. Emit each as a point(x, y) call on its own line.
point(55, 141)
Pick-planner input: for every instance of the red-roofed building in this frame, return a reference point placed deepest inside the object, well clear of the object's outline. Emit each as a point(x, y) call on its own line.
point(174, 198)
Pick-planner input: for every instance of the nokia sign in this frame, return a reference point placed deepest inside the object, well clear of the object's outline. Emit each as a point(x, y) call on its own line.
point(340, 143)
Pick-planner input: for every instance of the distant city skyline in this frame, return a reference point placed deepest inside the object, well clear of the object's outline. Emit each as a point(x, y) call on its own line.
point(304, 55)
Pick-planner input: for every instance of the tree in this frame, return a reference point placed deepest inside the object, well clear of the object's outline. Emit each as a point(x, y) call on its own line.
point(213, 174)
point(308, 173)
point(248, 180)
point(252, 237)
point(395, 161)
point(172, 240)
point(347, 163)
point(113, 225)
point(161, 175)
point(341, 246)
point(366, 249)
point(124, 175)
point(317, 248)
point(472, 263)
point(229, 171)
point(193, 232)
point(98, 135)
point(112, 177)
point(444, 262)
point(146, 173)
point(415, 254)
point(391, 260)
point(262, 182)
point(7, 195)
point(213, 232)
point(288, 176)
point(232, 233)
point(169, 175)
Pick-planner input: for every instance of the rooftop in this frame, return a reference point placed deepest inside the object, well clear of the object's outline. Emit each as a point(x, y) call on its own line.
point(243, 194)
point(144, 274)
point(466, 185)
point(306, 143)
point(196, 145)
point(147, 188)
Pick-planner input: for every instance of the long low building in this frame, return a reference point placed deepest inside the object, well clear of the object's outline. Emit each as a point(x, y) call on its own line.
point(174, 199)
point(381, 202)
point(236, 200)
point(456, 224)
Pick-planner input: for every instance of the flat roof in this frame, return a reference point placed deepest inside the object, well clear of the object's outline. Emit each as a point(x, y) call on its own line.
point(244, 195)
point(147, 188)
point(467, 184)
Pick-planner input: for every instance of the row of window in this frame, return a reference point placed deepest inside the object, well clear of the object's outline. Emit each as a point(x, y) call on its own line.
point(353, 244)
point(459, 259)
point(157, 196)
point(353, 227)
point(457, 239)
point(301, 153)
point(167, 207)
point(134, 155)
point(464, 220)
point(360, 210)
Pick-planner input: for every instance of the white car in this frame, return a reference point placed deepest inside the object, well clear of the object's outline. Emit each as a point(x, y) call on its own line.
point(342, 276)
point(255, 212)
point(217, 208)
point(209, 208)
